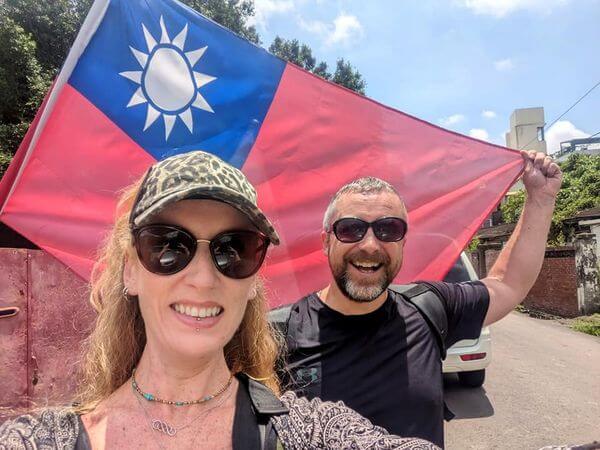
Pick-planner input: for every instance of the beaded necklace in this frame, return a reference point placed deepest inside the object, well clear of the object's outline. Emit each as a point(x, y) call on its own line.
point(152, 398)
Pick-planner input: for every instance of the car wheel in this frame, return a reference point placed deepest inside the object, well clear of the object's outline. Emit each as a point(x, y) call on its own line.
point(472, 379)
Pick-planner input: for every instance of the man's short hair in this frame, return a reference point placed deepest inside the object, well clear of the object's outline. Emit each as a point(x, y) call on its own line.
point(364, 185)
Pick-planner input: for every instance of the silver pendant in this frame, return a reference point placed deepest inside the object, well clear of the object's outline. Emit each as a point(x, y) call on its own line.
point(163, 427)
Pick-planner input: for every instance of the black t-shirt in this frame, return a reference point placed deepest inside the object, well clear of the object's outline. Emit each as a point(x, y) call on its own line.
point(386, 364)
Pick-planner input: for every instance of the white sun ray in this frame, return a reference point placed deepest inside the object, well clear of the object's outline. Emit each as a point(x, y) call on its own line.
point(151, 116)
point(140, 56)
point(150, 41)
point(195, 55)
point(179, 40)
point(202, 79)
point(133, 75)
point(168, 94)
point(186, 117)
point(164, 36)
point(169, 122)
point(137, 98)
point(200, 103)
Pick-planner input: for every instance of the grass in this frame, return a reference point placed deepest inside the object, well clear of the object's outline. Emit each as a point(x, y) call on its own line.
point(587, 324)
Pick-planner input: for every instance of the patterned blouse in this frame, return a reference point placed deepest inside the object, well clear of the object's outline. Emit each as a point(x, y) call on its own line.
point(310, 424)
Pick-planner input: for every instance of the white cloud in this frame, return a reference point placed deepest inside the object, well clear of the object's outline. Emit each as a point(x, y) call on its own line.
point(452, 120)
point(479, 133)
point(342, 30)
point(488, 114)
point(504, 65)
point(502, 8)
point(563, 130)
point(264, 9)
point(314, 26)
point(346, 27)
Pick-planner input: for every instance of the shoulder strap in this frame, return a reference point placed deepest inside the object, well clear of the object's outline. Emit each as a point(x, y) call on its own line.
point(269, 438)
point(427, 301)
point(280, 317)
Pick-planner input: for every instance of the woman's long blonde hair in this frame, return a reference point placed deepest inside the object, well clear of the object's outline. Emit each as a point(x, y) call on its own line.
point(116, 343)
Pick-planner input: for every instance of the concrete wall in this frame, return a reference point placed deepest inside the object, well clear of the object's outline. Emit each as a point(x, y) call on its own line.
point(588, 273)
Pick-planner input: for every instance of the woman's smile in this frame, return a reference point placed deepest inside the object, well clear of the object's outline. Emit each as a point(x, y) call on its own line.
point(197, 315)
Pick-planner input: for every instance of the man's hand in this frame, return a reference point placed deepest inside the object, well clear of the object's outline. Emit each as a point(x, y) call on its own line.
point(542, 177)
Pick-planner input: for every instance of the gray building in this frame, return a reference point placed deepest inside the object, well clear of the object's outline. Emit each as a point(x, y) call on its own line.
point(586, 146)
point(526, 133)
point(527, 130)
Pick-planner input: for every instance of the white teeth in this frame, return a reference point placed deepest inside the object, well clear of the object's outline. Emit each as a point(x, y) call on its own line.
point(194, 311)
point(366, 264)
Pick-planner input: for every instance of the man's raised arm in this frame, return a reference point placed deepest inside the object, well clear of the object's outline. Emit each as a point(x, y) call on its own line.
point(519, 263)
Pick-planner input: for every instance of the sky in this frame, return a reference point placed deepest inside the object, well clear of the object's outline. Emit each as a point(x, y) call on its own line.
point(461, 64)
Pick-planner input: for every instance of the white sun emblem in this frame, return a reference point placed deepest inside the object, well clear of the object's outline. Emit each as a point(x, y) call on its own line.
point(167, 81)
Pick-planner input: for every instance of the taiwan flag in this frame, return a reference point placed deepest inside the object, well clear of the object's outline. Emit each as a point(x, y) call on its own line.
point(147, 79)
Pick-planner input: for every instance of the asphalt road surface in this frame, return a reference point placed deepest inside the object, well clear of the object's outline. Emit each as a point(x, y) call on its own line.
point(542, 388)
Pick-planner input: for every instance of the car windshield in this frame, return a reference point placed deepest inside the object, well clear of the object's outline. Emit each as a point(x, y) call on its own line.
point(458, 273)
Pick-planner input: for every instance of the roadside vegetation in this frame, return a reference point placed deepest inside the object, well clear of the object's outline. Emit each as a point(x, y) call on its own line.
point(587, 324)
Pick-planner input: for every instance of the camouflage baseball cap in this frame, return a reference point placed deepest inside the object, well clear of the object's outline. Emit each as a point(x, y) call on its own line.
point(197, 175)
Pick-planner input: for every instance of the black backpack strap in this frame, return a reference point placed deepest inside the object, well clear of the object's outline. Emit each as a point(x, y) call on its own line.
point(271, 440)
point(428, 302)
point(280, 317)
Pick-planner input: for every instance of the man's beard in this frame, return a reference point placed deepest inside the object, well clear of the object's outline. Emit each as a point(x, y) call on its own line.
point(362, 293)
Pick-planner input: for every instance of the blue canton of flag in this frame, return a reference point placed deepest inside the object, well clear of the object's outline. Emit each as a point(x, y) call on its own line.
point(175, 81)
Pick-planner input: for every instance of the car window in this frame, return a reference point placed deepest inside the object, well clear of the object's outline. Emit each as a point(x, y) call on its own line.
point(458, 272)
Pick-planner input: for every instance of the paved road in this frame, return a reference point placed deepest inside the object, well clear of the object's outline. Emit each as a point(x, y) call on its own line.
point(542, 388)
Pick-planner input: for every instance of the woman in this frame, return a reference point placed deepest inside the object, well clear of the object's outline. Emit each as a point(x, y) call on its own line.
point(182, 355)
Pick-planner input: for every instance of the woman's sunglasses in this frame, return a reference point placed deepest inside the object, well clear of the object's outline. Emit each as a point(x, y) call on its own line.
point(168, 249)
point(387, 229)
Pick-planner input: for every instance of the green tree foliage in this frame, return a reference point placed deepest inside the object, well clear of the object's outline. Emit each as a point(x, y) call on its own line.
point(346, 75)
point(580, 190)
point(232, 14)
point(23, 84)
point(301, 54)
point(291, 50)
point(53, 25)
point(36, 36)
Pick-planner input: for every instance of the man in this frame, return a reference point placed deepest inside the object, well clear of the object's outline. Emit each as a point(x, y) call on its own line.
point(357, 341)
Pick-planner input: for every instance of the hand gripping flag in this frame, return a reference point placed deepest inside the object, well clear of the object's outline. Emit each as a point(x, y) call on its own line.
point(149, 79)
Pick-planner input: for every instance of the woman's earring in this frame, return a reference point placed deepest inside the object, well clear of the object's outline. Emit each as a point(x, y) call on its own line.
point(126, 293)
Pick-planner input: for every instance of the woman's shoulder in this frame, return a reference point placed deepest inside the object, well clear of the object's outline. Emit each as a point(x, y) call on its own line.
point(321, 424)
point(51, 428)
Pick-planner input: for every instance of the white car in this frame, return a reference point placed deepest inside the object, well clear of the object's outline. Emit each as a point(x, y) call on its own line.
point(470, 357)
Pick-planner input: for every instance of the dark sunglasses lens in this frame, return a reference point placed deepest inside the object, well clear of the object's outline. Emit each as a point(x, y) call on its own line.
point(239, 254)
point(350, 230)
point(389, 229)
point(165, 250)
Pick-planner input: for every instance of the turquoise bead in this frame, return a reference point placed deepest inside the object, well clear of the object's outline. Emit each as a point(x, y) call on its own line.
point(178, 403)
point(149, 397)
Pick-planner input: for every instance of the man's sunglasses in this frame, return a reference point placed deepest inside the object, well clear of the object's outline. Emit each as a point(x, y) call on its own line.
point(387, 229)
point(168, 249)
